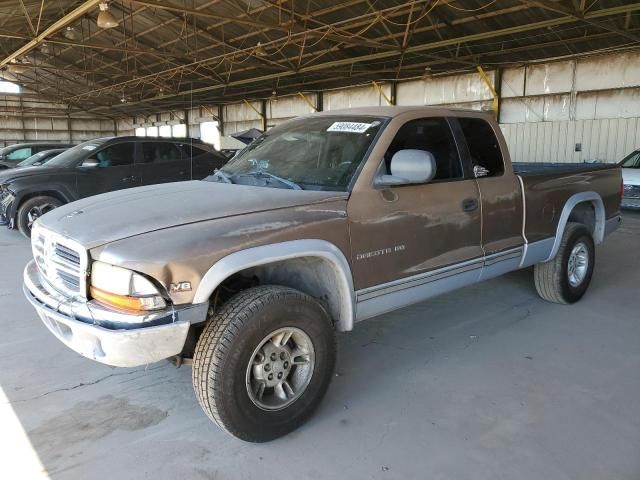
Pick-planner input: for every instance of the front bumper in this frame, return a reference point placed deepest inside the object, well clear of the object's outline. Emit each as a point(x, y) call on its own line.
point(108, 336)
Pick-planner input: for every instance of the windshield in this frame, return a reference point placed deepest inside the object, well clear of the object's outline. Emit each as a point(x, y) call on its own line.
point(71, 157)
point(631, 161)
point(32, 159)
point(314, 153)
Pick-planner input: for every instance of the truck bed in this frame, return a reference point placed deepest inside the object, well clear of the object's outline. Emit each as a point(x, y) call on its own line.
point(548, 187)
point(541, 168)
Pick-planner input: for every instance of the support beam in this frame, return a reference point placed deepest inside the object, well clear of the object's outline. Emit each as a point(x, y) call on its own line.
point(492, 89)
point(381, 92)
point(307, 101)
point(256, 23)
point(558, 7)
point(380, 55)
point(58, 25)
point(220, 120)
point(263, 107)
point(420, 48)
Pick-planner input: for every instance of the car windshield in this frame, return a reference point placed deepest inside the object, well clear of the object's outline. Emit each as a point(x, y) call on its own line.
point(71, 157)
point(631, 161)
point(314, 153)
point(32, 159)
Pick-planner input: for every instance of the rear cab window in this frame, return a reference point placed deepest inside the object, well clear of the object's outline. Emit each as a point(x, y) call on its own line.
point(484, 150)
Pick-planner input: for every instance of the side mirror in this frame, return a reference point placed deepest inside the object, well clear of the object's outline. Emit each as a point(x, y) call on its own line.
point(90, 163)
point(409, 167)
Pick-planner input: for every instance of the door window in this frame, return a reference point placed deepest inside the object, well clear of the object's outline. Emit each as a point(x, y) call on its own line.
point(200, 155)
point(118, 155)
point(160, 152)
point(20, 154)
point(484, 149)
point(432, 135)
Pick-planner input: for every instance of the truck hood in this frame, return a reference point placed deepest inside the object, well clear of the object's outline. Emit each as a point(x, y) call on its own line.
point(113, 216)
point(631, 176)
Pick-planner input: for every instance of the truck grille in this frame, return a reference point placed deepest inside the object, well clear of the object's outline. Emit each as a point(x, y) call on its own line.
point(632, 190)
point(6, 199)
point(61, 263)
point(631, 197)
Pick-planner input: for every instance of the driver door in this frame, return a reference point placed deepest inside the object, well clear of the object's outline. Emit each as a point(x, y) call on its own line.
point(116, 170)
point(403, 236)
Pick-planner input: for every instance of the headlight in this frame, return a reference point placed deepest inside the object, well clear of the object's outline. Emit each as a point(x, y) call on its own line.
point(124, 288)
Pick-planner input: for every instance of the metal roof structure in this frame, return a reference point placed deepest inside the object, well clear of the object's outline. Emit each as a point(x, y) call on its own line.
point(171, 54)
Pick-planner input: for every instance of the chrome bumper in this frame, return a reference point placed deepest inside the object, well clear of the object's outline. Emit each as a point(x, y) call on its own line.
point(109, 336)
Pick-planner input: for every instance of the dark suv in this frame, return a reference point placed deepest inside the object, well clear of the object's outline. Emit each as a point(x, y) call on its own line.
point(99, 166)
point(13, 154)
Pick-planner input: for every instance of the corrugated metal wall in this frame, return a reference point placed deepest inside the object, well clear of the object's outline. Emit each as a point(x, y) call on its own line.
point(603, 140)
point(22, 120)
point(577, 110)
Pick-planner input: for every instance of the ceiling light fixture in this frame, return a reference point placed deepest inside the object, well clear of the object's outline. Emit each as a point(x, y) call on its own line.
point(105, 18)
point(70, 33)
point(260, 51)
point(16, 68)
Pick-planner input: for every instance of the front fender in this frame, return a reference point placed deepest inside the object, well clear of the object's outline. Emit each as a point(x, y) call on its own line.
point(21, 194)
point(337, 278)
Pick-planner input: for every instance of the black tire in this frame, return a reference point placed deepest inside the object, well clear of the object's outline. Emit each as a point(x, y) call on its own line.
point(227, 346)
point(43, 203)
point(552, 277)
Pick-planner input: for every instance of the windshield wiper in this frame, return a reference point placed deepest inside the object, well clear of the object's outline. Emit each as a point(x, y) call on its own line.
point(220, 174)
point(289, 183)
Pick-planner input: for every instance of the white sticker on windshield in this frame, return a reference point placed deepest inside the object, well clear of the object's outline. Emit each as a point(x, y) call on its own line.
point(89, 147)
point(350, 127)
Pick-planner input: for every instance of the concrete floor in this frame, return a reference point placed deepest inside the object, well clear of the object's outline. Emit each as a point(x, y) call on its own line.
point(486, 383)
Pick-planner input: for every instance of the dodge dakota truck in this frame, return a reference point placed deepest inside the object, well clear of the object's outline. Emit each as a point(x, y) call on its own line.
point(322, 222)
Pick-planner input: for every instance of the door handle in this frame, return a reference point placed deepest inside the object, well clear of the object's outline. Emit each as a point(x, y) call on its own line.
point(132, 178)
point(469, 204)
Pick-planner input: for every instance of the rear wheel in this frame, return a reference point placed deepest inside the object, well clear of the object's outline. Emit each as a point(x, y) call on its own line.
point(263, 362)
point(32, 209)
point(566, 277)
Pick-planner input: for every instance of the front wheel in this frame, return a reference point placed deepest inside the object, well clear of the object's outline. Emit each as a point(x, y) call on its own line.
point(264, 361)
point(566, 277)
point(32, 209)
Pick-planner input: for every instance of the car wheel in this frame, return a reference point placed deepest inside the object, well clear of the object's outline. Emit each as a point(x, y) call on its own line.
point(566, 277)
point(33, 209)
point(264, 361)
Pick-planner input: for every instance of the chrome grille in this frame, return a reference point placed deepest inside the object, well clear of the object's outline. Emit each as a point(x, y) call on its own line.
point(60, 262)
point(632, 191)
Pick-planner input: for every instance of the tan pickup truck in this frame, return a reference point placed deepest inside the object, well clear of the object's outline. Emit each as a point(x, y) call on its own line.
point(324, 221)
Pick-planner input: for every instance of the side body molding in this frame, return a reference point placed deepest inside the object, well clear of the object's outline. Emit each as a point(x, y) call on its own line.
point(340, 295)
point(592, 198)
